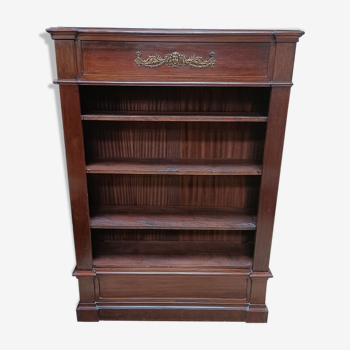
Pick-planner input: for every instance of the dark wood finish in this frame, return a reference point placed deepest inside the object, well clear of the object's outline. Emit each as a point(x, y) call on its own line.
point(87, 312)
point(165, 313)
point(172, 117)
point(170, 83)
point(257, 312)
point(114, 60)
point(173, 254)
point(243, 56)
point(168, 166)
point(174, 101)
point(270, 177)
point(284, 62)
point(172, 286)
point(189, 218)
point(73, 135)
point(162, 190)
point(174, 35)
point(65, 55)
point(173, 172)
point(174, 140)
point(234, 236)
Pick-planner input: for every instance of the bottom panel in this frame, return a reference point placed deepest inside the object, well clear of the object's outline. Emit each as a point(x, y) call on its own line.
point(111, 312)
point(171, 294)
point(173, 314)
point(172, 286)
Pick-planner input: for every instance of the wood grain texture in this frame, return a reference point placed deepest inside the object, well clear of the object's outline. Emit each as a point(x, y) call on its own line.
point(256, 314)
point(270, 177)
point(174, 190)
point(287, 36)
point(66, 60)
point(173, 254)
point(73, 135)
point(87, 312)
point(187, 218)
point(172, 286)
point(192, 313)
point(173, 99)
point(168, 166)
point(101, 235)
point(285, 53)
point(175, 117)
point(193, 83)
point(174, 35)
point(63, 33)
point(169, 238)
point(220, 140)
point(86, 289)
point(174, 140)
point(258, 291)
point(115, 59)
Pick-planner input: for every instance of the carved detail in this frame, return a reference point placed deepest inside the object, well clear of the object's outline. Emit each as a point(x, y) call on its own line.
point(175, 60)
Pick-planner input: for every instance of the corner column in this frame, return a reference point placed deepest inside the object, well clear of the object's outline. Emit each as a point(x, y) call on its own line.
point(74, 143)
point(276, 124)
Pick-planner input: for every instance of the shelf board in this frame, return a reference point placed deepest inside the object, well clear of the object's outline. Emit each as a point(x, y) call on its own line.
point(172, 218)
point(166, 166)
point(175, 116)
point(173, 254)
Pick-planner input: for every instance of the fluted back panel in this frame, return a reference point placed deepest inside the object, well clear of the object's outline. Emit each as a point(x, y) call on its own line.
point(172, 235)
point(173, 190)
point(173, 99)
point(174, 140)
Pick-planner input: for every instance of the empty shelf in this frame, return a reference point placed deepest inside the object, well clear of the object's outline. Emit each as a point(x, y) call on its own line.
point(173, 254)
point(175, 116)
point(180, 217)
point(166, 166)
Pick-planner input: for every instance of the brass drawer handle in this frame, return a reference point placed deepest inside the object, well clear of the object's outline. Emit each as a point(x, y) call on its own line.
point(175, 60)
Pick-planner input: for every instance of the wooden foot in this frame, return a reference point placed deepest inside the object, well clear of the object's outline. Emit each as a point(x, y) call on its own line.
point(257, 314)
point(87, 312)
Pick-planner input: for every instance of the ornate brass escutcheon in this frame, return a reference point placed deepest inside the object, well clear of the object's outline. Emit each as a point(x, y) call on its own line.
point(175, 60)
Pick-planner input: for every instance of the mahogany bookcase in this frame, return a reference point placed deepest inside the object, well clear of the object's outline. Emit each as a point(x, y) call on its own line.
point(173, 142)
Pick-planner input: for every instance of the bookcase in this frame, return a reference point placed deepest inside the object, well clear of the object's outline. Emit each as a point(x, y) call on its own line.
point(174, 143)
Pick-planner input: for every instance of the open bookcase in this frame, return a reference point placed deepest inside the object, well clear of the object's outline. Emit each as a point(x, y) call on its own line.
point(173, 174)
point(173, 180)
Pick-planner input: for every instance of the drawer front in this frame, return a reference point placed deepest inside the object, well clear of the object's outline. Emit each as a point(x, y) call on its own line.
point(161, 61)
point(172, 286)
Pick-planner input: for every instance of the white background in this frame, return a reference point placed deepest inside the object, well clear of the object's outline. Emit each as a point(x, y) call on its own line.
point(308, 296)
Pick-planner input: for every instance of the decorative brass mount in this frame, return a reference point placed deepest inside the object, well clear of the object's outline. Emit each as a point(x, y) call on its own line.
point(175, 60)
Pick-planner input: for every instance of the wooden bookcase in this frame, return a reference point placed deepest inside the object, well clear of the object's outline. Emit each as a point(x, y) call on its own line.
point(174, 142)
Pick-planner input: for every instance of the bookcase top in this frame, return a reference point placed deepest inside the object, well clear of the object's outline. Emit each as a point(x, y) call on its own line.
point(72, 32)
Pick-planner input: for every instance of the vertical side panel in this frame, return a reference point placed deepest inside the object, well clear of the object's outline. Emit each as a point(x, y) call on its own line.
point(270, 176)
point(73, 136)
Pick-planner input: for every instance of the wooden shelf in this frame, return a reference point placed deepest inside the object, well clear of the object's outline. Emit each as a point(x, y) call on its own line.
point(176, 116)
point(165, 166)
point(173, 254)
point(176, 218)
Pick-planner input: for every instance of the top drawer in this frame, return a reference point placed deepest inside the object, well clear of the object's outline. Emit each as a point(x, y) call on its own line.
point(175, 61)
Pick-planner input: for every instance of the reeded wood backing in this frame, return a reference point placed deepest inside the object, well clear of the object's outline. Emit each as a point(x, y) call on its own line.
point(174, 140)
point(173, 99)
point(173, 190)
point(172, 235)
